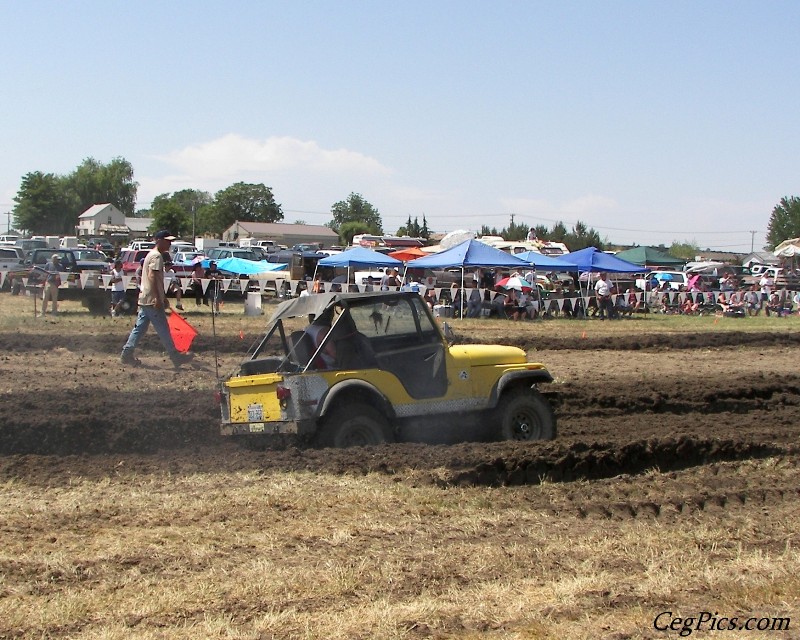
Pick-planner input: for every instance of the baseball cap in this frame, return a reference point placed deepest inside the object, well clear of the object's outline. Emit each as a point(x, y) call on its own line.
point(164, 235)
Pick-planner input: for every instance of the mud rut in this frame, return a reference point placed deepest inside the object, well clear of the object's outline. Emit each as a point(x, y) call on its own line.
point(695, 430)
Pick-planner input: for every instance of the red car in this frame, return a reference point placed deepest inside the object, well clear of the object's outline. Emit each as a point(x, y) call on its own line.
point(131, 260)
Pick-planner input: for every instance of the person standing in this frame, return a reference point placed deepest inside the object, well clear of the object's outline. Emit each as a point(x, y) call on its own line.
point(52, 281)
point(214, 290)
point(605, 304)
point(117, 288)
point(198, 273)
point(766, 283)
point(152, 305)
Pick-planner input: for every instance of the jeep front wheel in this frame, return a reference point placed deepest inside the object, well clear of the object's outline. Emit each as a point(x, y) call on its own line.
point(525, 415)
point(355, 425)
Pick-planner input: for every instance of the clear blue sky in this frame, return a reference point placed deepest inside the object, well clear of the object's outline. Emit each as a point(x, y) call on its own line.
point(651, 122)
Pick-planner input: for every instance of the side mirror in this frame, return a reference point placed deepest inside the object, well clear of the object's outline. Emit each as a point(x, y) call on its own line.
point(449, 334)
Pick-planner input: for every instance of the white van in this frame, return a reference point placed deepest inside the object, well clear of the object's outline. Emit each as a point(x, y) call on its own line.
point(68, 242)
point(8, 240)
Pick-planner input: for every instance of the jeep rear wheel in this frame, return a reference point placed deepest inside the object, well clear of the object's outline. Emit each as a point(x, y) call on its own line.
point(355, 425)
point(525, 415)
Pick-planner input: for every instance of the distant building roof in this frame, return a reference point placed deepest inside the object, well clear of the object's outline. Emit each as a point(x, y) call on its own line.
point(92, 211)
point(282, 229)
point(138, 225)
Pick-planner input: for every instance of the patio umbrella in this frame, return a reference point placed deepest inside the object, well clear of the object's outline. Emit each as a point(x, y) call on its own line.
point(515, 282)
point(410, 253)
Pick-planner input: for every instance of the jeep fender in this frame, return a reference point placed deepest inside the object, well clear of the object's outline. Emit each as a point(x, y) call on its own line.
point(528, 377)
point(348, 389)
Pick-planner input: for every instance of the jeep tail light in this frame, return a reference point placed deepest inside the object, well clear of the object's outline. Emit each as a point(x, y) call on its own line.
point(283, 393)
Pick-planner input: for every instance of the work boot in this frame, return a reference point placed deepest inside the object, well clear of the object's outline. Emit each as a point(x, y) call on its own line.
point(179, 358)
point(128, 358)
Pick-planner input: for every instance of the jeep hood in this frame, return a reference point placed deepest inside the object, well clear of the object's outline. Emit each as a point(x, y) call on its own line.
point(488, 354)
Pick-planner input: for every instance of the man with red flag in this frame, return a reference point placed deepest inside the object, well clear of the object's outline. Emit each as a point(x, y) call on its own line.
point(152, 305)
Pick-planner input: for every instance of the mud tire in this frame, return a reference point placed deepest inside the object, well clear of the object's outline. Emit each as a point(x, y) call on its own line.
point(355, 425)
point(525, 415)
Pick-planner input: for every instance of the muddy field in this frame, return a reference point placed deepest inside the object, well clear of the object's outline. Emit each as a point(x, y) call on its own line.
point(653, 427)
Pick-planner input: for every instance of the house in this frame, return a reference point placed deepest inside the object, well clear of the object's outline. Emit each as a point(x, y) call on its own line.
point(101, 220)
point(280, 233)
point(138, 227)
point(760, 257)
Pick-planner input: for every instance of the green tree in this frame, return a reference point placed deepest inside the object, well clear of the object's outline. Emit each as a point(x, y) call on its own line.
point(96, 183)
point(356, 209)
point(41, 205)
point(350, 229)
point(684, 250)
point(582, 237)
point(784, 223)
point(168, 214)
point(192, 202)
point(424, 232)
point(242, 202)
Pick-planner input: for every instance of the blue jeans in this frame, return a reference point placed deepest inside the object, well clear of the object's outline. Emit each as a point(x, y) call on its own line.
point(158, 318)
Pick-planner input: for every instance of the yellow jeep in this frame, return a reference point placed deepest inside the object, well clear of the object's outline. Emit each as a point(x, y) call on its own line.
point(371, 368)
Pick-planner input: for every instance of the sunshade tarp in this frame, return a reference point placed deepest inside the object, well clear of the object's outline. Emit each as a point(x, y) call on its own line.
point(788, 248)
point(540, 260)
point(592, 259)
point(411, 253)
point(359, 256)
point(470, 253)
point(648, 256)
point(248, 267)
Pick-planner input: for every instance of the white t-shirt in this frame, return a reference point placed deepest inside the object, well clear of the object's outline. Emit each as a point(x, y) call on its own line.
point(602, 288)
point(117, 285)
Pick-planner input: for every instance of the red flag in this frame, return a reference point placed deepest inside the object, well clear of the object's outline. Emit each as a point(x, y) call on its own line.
point(181, 331)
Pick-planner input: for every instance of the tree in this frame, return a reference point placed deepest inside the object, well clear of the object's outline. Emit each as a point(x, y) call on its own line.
point(350, 229)
point(192, 202)
point(356, 209)
point(41, 205)
point(582, 237)
point(168, 214)
point(784, 223)
point(684, 250)
point(95, 183)
point(424, 232)
point(242, 202)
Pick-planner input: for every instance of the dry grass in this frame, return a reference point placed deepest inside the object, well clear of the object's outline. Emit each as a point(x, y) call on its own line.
point(248, 555)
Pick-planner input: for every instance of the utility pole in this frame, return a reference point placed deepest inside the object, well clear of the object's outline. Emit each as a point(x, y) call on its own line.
point(752, 240)
point(8, 226)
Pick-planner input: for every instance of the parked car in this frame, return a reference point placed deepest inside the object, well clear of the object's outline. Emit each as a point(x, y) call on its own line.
point(88, 290)
point(218, 253)
point(131, 259)
point(91, 255)
point(11, 258)
point(676, 280)
point(28, 244)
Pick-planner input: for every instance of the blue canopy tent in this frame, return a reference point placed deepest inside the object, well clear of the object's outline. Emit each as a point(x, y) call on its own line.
point(358, 257)
point(553, 263)
point(592, 259)
point(470, 253)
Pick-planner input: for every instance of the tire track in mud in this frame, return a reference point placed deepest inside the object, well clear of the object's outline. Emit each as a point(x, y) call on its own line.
point(579, 461)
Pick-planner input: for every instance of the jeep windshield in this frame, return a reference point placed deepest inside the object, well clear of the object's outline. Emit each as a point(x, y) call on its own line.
point(358, 324)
